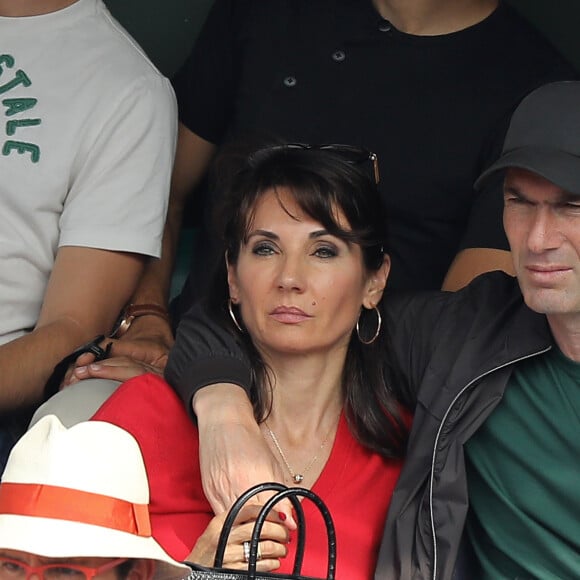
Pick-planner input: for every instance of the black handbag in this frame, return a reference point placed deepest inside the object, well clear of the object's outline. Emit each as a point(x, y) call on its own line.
point(292, 493)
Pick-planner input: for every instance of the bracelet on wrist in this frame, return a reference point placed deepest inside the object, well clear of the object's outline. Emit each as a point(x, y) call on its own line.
point(132, 311)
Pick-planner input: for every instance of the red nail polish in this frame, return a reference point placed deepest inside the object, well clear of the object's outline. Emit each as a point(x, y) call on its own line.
point(282, 516)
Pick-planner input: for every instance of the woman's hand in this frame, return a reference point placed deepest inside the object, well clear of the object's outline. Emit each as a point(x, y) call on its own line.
point(273, 541)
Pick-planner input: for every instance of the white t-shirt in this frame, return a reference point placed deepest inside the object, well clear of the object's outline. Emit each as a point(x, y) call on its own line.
point(86, 149)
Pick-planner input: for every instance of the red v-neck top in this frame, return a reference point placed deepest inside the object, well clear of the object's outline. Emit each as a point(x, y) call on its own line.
point(356, 484)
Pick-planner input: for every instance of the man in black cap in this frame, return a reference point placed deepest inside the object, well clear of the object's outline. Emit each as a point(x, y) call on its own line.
point(495, 373)
point(503, 427)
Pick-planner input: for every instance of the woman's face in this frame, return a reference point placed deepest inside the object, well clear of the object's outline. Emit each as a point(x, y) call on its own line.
point(300, 289)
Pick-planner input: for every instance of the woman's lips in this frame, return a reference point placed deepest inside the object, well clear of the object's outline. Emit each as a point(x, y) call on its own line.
point(289, 314)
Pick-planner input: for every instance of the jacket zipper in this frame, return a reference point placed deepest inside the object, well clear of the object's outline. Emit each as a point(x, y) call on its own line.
point(431, 478)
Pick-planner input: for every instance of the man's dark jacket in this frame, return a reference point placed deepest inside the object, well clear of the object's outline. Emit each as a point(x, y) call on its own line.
point(457, 351)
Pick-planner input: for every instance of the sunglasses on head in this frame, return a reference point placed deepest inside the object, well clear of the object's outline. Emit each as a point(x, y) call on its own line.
point(349, 153)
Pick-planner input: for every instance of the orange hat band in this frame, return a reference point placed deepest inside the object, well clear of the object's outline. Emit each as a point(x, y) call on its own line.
point(61, 503)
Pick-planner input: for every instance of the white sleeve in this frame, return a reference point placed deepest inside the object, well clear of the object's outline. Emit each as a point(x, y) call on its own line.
point(119, 189)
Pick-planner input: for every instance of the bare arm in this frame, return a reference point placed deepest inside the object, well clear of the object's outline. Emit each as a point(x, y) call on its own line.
point(145, 346)
point(484, 246)
point(85, 291)
point(232, 453)
point(471, 262)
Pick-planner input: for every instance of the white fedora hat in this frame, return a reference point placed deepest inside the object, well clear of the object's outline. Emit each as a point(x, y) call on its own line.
point(79, 492)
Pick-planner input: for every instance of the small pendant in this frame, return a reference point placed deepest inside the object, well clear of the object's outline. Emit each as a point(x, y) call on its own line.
point(298, 478)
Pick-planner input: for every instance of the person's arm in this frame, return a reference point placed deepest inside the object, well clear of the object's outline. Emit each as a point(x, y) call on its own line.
point(149, 338)
point(211, 373)
point(145, 346)
point(84, 293)
point(124, 176)
point(472, 262)
point(232, 452)
point(484, 246)
point(205, 87)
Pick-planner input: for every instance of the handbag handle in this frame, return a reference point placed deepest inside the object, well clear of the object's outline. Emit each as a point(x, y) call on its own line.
point(292, 493)
point(237, 506)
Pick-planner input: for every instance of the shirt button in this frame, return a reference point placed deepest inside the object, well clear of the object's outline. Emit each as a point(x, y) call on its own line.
point(290, 81)
point(338, 56)
point(385, 26)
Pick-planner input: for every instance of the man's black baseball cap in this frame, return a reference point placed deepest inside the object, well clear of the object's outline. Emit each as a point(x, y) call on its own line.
point(544, 136)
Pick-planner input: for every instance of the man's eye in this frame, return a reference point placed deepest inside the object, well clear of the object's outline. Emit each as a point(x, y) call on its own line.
point(515, 200)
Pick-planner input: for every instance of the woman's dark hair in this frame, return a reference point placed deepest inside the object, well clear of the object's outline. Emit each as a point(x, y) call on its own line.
point(320, 180)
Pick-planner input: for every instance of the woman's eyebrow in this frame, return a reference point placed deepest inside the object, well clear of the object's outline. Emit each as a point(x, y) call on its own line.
point(264, 233)
point(273, 236)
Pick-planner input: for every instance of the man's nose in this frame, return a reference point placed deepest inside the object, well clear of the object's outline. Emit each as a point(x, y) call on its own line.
point(544, 233)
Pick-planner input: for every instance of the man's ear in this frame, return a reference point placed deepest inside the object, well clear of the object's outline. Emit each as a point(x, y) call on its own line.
point(142, 569)
point(376, 284)
point(232, 280)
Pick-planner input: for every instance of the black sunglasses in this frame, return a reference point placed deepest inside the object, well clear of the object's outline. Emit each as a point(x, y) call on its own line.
point(349, 153)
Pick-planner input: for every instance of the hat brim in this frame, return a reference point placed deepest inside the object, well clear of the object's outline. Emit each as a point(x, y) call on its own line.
point(63, 539)
point(559, 167)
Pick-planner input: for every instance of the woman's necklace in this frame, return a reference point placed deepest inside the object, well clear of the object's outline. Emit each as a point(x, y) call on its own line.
point(298, 477)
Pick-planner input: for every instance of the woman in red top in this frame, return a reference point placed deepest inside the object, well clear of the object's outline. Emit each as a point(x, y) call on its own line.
point(305, 267)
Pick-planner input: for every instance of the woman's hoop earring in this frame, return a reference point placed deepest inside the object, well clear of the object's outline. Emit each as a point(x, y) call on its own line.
point(233, 316)
point(379, 323)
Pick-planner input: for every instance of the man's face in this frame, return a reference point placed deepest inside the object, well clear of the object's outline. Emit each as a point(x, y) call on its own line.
point(542, 223)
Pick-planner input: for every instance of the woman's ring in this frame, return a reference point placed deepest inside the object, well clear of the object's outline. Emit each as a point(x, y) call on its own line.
point(246, 546)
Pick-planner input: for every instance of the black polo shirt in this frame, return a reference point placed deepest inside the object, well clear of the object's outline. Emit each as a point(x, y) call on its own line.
point(434, 108)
